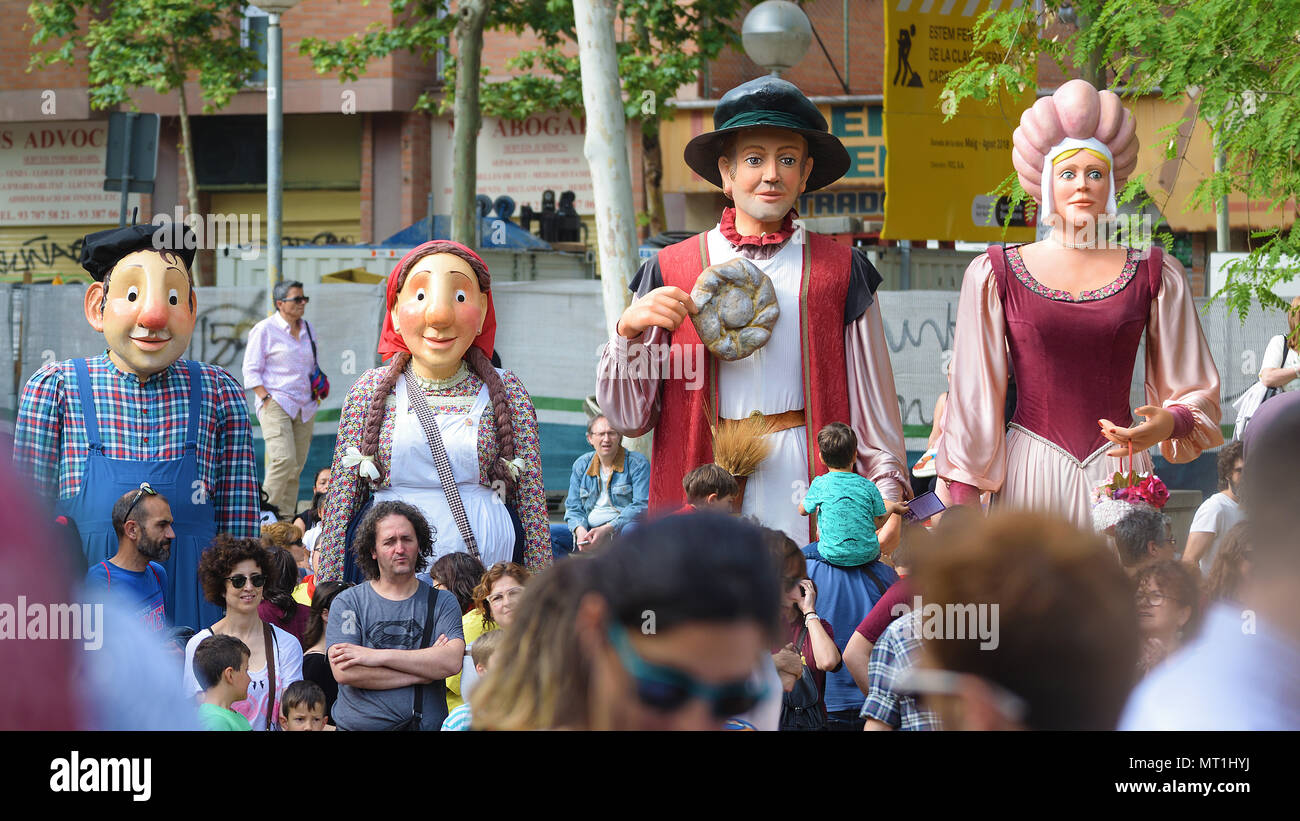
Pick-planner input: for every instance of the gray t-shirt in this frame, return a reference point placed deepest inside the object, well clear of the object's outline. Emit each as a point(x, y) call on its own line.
point(361, 616)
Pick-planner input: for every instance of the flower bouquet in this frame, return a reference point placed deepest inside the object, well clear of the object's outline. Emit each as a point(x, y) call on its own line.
point(1132, 487)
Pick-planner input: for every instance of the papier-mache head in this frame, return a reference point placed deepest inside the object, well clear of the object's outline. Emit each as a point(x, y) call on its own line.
point(1077, 116)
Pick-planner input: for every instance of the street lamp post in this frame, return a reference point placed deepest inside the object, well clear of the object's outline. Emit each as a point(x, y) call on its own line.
point(776, 35)
point(274, 142)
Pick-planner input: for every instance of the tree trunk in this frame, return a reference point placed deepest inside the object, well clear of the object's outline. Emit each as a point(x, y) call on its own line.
point(191, 177)
point(653, 169)
point(606, 150)
point(467, 120)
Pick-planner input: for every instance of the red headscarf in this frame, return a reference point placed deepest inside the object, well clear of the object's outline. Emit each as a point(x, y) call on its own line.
point(391, 342)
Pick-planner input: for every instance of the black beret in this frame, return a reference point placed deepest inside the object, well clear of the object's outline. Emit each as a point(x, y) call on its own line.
point(102, 250)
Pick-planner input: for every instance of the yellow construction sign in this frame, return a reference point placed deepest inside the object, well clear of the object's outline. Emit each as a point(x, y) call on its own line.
point(939, 174)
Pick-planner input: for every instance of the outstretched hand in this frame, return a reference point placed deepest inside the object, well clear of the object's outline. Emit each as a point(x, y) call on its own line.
point(665, 307)
point(1158, 427)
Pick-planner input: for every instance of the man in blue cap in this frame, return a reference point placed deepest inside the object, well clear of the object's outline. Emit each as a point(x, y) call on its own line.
point(139, 418)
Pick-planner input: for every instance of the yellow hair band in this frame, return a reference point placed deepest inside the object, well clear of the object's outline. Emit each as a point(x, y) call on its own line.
point(1070, 152)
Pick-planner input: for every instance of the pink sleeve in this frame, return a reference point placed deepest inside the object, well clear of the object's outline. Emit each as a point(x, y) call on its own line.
point(1180, 372)
point(628, 391)
point(873, 405)
point(972, 449)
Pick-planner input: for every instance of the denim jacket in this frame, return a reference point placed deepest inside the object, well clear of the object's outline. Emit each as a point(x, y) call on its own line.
point(629, 489)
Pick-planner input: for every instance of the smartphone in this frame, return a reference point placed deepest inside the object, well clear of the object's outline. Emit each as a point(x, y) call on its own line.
point(923, 507)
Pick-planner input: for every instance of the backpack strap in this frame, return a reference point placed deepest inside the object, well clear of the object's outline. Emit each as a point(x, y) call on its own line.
point(417, 709)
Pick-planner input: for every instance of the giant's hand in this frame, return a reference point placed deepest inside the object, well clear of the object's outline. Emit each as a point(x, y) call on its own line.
point(1159, 425)
point(665, 307)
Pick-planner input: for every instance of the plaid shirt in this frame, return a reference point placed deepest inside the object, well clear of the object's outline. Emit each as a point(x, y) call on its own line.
point(142, 422)
point(899, 648)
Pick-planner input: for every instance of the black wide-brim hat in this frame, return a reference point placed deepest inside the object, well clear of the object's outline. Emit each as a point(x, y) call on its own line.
point(769, 102)
point(102, 250)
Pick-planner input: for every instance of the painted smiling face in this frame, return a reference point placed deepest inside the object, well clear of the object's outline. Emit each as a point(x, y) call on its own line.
point(149, 314)
point(767, 171)
point(438, 313)
point(1080, 188)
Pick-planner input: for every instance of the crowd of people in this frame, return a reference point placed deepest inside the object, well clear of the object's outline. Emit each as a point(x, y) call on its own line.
point(766, 568)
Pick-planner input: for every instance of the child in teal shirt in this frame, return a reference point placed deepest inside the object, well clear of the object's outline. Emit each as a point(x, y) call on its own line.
point(221, 667)
point(849, 507)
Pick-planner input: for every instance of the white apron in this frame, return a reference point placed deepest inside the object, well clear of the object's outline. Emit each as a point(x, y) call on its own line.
point(414, 480)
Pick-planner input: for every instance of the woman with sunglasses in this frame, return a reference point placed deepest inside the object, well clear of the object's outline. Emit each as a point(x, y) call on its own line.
point(1169, 609)
point(678, 632)
point(668, 629)
point(233, 573)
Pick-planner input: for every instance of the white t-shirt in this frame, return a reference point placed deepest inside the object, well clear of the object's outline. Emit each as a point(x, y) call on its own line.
point(1216, 515)
point(1273, 354)
point(604, 512)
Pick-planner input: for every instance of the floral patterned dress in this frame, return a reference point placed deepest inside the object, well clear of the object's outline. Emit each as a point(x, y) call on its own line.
point(345, 493)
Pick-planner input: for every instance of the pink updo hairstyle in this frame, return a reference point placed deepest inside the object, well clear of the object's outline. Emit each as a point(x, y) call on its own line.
point(1080, 111)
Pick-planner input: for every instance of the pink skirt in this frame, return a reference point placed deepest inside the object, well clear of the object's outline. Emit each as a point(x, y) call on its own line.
point(1041, 476)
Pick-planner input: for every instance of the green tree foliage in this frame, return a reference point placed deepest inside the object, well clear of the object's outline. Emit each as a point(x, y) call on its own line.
point(662, 46)
point(157, 44)
point(153, 44)
point(1239, 59)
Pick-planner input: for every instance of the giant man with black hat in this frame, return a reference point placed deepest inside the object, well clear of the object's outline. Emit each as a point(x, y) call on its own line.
point(825, 359)
point(90, 430)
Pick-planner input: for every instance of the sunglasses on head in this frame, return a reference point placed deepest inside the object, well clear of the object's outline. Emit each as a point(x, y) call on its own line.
point(667, 689)
point(139, 494)
point(237, 580)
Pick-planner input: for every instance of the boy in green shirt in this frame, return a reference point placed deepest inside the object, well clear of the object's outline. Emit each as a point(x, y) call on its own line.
point(221, 667)
point(849, 507)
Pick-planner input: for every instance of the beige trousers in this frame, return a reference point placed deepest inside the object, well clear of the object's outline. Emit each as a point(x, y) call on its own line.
point(287, 442)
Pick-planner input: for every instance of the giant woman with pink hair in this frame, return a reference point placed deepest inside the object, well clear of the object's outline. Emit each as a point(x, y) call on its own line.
point(438, 337)
point(1068, 313)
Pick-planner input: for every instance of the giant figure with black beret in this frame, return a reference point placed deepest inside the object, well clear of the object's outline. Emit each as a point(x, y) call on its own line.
point(823, 359)
point(91, 429)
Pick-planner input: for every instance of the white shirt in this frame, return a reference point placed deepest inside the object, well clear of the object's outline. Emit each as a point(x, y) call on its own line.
point(1290, 361)
point(1216, 515)
point(281, 364)
point(771, 381)
point(1225, 679)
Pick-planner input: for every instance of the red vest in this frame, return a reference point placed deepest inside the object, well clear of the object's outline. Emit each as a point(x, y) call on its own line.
point(682, 441)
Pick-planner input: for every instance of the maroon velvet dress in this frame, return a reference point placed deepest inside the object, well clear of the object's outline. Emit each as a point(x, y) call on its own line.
point(1074, 361)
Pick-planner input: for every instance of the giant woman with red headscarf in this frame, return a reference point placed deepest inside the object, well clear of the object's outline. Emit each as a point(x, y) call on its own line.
point(438, 337)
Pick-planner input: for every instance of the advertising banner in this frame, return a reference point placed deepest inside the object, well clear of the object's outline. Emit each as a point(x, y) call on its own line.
point(939, 174)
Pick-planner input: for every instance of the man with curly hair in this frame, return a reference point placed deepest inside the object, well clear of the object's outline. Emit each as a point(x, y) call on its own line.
point(390, 675)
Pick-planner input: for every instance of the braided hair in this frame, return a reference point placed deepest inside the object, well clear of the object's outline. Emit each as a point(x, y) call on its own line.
point(477, 361)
